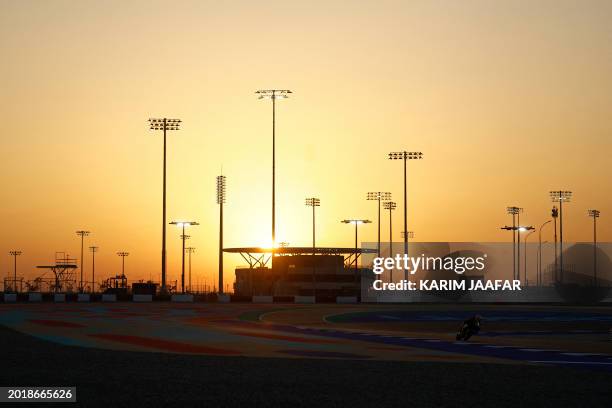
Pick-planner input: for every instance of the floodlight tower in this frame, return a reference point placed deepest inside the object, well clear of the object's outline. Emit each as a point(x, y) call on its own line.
point(123, 254)
point(405, 156)
point(561, 196)
point(221, 196)
point(410, 235)
point(555, 214)
point(273, 94)
point(390, 205)
point(190, 250)
point(314, 203)
point(82, 234)
point(378, 196)
point(183, 224)
point(93, 250)
point(164, 124)
point(516, 219)
point(595, 215)
point(356, 222)
point(14, 254)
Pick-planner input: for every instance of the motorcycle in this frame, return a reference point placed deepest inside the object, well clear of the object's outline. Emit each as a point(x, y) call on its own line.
point(466, 331)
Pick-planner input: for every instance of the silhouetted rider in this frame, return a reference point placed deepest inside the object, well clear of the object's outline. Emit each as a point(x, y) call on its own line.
point(473, 323)
point(469, 327)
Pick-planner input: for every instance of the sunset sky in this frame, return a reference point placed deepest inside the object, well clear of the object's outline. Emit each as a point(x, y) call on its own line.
point(506, 99)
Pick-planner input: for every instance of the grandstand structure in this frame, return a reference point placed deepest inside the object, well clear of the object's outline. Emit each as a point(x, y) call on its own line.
point(299, 271)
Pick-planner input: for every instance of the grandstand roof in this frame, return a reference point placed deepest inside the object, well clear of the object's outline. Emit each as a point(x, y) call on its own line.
point(301, 250)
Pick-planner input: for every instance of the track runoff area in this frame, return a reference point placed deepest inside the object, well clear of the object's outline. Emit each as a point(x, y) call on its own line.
point(541, 335)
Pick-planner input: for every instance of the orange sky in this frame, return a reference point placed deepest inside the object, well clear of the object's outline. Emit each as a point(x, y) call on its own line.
point(507, 101)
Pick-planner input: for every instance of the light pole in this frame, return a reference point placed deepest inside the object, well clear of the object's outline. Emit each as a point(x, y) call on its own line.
point(520, 229)
point(527, 236)
point(93, 250)
point(183, 224)
point(184, 237)
point(314, 203)
point(14, 254)
point(411, 236)
point(390, 205)
point(123, 254)
point(164, 124)
point(555, 214)
point(82, 234)
point(540, 253)
point(515, 212)
point(595, 215)
point(405, 156)
point(356, 222)
point(513, 229)
point(190, 250)
point(561, 196)
point(273, 94)
point(221, 196)
point(378, 196)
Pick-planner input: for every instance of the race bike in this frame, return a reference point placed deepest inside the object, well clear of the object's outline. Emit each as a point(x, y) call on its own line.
point(466, 331)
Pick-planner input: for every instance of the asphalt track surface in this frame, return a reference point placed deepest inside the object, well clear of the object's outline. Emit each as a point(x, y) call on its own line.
point(499, 369)
point(531, 355)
